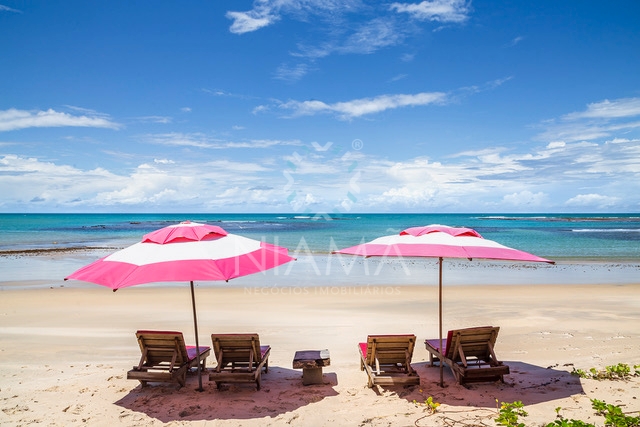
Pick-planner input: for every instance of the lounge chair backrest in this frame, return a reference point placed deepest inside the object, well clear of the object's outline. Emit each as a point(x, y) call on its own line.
point(475, 342)
point(236, 348)
point(389, 348)
point(162, 346)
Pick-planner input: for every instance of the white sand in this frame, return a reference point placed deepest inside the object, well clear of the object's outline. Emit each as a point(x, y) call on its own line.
point(64, 353)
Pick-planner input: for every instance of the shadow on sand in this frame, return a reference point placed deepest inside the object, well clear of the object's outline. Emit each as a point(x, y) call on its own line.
point(281, 392)
point(528, 383)
point(476, 403)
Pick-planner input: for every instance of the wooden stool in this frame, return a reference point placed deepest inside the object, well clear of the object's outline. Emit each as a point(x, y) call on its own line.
point(311, 363)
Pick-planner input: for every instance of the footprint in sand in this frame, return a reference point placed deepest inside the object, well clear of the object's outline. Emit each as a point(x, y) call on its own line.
point(74, 409)
point(15, 410)
point(191, 410)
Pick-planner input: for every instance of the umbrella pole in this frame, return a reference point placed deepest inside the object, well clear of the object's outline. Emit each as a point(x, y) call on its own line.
point(440, 318)
point(195, 326)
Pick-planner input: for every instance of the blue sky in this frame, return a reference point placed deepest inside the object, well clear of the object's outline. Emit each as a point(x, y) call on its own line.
point(320, 106)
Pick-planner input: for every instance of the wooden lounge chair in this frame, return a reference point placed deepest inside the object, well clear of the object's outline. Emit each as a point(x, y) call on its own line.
point(240, 359)
point(165, 357)
point(470, 355)
point(387, 360)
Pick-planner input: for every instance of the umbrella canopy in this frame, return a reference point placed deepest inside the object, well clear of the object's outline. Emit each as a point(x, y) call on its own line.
point(184, 252)
point(440, 241)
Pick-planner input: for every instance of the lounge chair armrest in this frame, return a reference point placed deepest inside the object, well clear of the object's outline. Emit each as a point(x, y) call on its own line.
point(463, 358)
point(494, 359)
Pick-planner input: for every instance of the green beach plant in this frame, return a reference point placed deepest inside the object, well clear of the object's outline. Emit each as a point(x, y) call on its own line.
point(509, 414)
point(563, 422)
point(613, 415)
point(613, 372)
point(432, 405)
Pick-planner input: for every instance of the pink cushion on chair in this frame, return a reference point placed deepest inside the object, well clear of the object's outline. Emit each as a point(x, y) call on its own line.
point(263, 350)
point(436, 343)
point(363, 348)
point(192, 352)
point(446, 342)
point(143, 332)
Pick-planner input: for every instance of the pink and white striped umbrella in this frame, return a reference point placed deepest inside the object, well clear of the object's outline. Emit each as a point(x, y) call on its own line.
point(437, 241)
point(184, 252)
point(440, 241)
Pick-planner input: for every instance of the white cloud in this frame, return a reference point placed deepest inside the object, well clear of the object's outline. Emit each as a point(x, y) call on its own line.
point(407, 57)
point(556, 144)
point(377, 26)
point(398, 77)
point(408, 196)
point(620, 141)
point(363, 106)
point(455, 11)
point(365, 38)
point(25, 179)
point(600, 120)
point(624, 107)
point(556, 175)
point(491, 179)
point(8, 9)
point(14, 119)
point(246, 22)
point(166, 183)
point(372, 36)
point(155, 119)
point(267, 12)
point(515, 41)
point(199, 140)
point(291, 73)
point(592, 200)
point(526, 199)
point(261, 143)
point(163, 161)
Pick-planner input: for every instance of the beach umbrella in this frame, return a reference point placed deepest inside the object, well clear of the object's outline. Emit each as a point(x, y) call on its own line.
point(439, 241)
point(187, 251)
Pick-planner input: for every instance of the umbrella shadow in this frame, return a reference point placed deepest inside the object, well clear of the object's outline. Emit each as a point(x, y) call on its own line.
point(281, 391)
point(528, 383)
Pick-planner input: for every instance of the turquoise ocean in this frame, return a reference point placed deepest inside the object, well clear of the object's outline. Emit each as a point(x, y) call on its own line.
point(41, 249)
point(555, 236)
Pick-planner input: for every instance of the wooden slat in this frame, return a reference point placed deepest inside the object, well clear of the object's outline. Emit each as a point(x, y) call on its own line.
point(239, 357)
point(388, 360)
point(164, 357)
point(470, 354)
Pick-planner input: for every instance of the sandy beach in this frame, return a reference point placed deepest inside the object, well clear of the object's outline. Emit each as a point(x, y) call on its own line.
point(65, 351)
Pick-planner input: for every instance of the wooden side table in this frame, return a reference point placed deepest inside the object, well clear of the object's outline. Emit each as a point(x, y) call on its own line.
point(311, 362)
